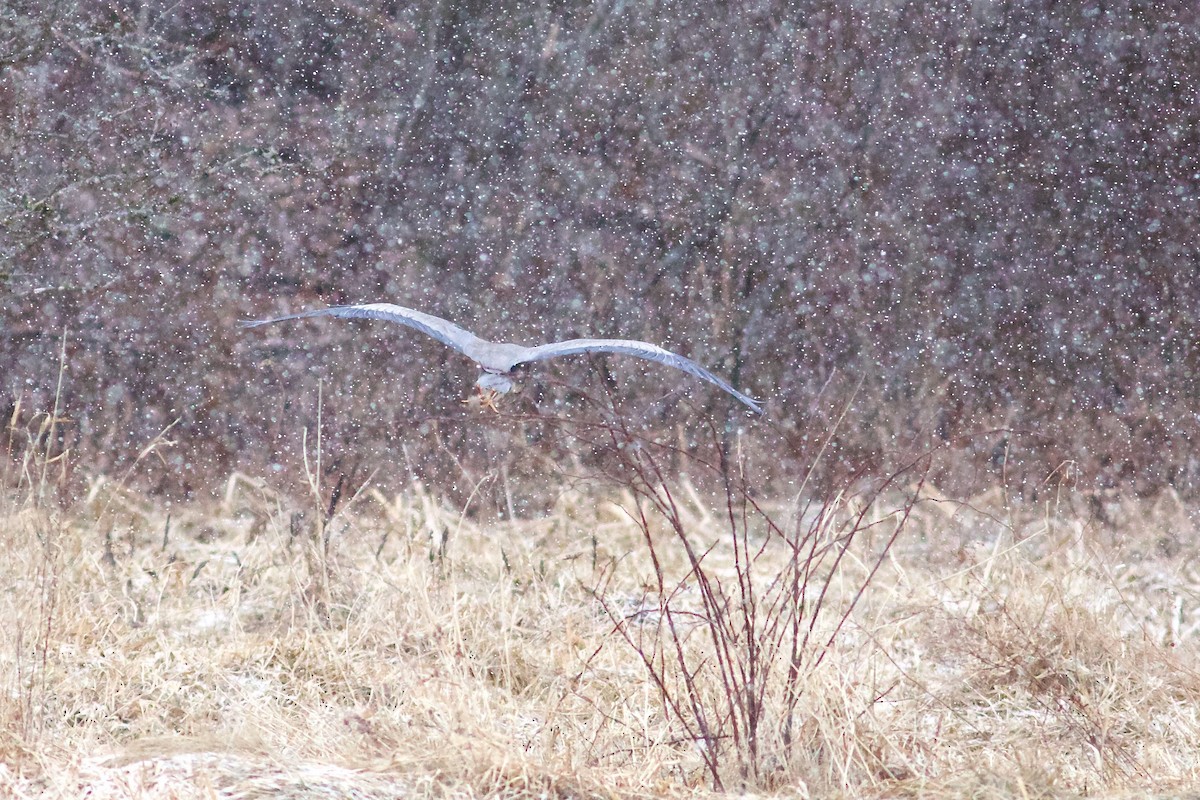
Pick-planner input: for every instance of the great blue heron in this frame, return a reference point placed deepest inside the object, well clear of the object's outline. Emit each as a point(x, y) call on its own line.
point(500, 359)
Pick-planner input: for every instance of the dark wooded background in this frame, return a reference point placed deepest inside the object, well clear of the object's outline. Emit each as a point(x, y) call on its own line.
point(985, 212)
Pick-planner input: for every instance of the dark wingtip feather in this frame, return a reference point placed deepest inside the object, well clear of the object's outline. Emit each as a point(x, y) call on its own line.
point(750, 403)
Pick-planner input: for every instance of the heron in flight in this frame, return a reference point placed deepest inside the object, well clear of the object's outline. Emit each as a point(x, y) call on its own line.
point(499, 360)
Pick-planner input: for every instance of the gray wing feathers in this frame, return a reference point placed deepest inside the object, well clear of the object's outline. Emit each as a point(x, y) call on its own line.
point(442, 330)
point(643, 350)
point(499, 357)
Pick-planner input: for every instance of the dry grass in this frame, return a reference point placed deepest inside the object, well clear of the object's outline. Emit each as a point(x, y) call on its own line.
point(224, 651)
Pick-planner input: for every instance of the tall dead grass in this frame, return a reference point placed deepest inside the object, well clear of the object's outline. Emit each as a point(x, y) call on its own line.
point(384, 645)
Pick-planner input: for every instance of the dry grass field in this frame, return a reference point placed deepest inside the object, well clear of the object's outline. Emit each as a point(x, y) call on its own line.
point(951, 247)
point(252, 647)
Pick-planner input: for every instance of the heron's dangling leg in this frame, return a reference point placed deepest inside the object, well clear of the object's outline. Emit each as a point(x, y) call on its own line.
point(487, 398)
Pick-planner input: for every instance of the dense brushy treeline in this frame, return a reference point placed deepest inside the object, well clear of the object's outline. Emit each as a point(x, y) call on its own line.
point(979, 219)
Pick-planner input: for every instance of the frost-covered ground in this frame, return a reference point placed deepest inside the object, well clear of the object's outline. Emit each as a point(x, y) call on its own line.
point(219, 650)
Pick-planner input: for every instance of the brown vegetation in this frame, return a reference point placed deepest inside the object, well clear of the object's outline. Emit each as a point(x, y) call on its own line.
point(259, 647)
point(983, 212)
point(635, 638)
point(951, 246)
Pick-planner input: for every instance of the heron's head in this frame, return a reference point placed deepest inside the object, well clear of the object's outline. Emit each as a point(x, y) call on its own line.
point(496, 382)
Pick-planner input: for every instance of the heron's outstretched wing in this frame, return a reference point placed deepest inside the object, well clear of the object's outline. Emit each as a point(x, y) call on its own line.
point(644, 350)
point(442, 330)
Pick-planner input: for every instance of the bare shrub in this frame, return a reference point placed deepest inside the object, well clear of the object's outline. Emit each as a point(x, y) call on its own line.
point(731, 649)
